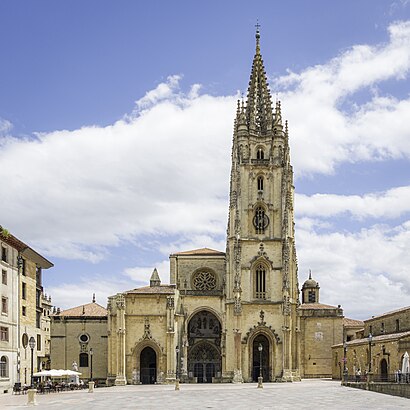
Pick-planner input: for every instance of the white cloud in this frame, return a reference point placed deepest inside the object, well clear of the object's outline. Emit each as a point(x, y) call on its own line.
point(365, 272)
point(164, 170)
point(143, 274)
point(390, 204)
point(323, 134)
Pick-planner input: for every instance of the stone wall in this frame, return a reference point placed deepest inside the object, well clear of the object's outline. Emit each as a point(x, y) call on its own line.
point(394, 389)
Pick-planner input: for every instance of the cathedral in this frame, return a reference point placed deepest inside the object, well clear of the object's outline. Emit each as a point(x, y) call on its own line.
point(228, 316)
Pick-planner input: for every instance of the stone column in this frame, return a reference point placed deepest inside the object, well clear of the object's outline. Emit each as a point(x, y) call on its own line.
point(120, 380)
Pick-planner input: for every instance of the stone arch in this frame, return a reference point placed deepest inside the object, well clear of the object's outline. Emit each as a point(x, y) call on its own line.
point(384, 370)
point(204, 346)
point(136, 360)
point(269, 365)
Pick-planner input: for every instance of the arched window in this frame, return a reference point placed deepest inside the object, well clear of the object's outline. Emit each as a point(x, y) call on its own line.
point(260, 154)
point(83, 360)
point(260, 282)
point(312, 296)
point(260, 220)
point(4, 367)
point(260, 183)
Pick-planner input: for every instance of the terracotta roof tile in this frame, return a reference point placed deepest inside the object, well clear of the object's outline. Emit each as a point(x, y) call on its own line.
point(150, 290)
point(201, 252)
point(90, 309)
point(381, 338)
point(316, 306)
point(403, 309)
point(352, 322)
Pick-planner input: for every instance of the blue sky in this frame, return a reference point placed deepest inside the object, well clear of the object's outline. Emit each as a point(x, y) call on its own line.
point(116, 124)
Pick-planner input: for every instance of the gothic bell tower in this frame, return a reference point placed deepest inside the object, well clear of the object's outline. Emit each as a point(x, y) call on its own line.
point(261, 265)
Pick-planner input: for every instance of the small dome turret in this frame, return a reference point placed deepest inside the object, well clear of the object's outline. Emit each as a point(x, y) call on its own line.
point(310, 290)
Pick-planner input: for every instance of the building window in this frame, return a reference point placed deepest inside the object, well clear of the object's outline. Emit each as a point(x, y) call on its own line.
point(260, 183)
point(260, 220)
point(84, 338)
point(4, 334)
point(4, 306)
point(3, 253)
point(38, 276)
point(83, 360)
point(260, 282)
point(4, 277)
point(23, 310)
point(23, 266)
point(204, 280)
point(311, 296)
point(260, 154)
point(38, 320)
point(397, 325)
point(382, 327)
point(38, 342)
point(4, 367)
point(370, 329)
point(24, 291)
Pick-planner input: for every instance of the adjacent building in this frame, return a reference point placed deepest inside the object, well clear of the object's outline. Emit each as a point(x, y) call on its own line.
point(23, 310)
point(379, 350)
point(79, 335)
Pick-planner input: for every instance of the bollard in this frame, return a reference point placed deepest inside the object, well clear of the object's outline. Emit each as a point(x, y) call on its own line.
point(260, 382)
point(31, 397)
point(90, 387)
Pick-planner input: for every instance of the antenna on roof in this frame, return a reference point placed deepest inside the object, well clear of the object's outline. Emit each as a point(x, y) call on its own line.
point(93, 297)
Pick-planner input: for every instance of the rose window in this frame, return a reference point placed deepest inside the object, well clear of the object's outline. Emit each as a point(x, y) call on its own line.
point(204, 280)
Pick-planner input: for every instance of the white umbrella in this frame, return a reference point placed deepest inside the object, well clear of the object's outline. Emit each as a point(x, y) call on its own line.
point(405, 367)
point(42, 373)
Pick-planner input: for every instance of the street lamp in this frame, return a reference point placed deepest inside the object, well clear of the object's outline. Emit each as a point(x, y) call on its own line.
point(32, 344)
point(177, 369)
point(345, 361)
point(91, 364)
point(260, 378)
point(370, 352)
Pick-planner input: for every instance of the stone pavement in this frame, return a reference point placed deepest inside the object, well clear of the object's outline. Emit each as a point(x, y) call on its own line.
point(308, 394)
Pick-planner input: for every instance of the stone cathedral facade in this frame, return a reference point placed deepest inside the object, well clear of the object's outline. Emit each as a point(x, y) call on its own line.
point(225, 317)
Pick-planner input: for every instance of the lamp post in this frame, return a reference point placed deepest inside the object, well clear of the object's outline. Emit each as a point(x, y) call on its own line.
point(370, 352)
point(260, 378)
point(177, 368)
point(345, 361)
point(32, 344)
point(91, 364)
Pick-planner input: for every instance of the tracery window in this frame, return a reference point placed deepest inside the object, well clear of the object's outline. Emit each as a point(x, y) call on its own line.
point(260, 183)
point(260, 220)
point(204, 280)
point(260, 282)
point(260, 154)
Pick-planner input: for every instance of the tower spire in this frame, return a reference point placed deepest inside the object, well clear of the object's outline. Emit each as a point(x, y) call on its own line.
point(259, 113)
point(258, 36)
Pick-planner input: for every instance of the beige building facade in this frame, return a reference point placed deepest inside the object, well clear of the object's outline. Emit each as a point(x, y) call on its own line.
point(79, 339)
point(24, 311)
point(379, 349)
point(225, 316)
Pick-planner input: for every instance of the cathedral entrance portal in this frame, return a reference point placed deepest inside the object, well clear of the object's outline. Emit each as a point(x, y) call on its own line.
point(257, 355)
point(204, 352)
point(148, 365)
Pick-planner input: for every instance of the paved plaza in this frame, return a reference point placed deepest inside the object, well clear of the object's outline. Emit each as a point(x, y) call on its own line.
point(308, 394)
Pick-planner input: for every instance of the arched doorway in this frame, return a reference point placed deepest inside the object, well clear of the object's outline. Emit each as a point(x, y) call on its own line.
point(204, 352)
point(383, 370)
point(148, 366)
point(257, 355)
